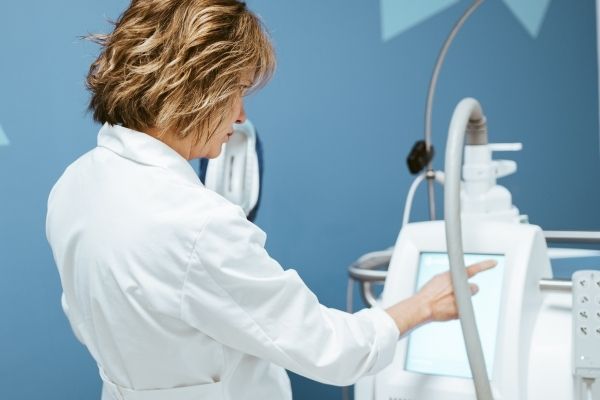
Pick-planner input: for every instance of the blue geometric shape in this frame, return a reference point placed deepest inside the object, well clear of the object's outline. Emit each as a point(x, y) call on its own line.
point(398, 16)
point(530, 13)
point(3, 138)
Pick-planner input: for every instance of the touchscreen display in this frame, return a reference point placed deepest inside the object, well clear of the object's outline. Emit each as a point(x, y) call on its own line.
point(438, 347)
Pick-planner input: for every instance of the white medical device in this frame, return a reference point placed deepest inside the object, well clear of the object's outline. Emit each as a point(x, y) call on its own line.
point(520, 348)
point(235, 174)
point(525, 335)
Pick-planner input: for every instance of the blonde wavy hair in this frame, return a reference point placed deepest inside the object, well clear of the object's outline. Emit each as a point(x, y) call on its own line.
point(176, 65)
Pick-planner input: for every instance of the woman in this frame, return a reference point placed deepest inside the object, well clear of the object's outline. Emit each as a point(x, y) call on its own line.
point(166, 283)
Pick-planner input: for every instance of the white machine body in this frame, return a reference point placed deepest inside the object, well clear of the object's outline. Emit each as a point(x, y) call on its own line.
point(525, 333)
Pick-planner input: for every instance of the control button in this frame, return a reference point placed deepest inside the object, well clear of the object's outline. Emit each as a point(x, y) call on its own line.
point(584, 330)
point(583, 299)
point(583, 314)
point(582, 283)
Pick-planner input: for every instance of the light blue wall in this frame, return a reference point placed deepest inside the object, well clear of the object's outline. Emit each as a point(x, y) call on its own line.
point(336, 122)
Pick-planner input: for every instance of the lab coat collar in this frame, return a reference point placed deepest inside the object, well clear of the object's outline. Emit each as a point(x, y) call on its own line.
point(145, 149)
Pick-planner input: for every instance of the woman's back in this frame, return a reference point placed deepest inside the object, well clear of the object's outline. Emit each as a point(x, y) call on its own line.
point(122, 222)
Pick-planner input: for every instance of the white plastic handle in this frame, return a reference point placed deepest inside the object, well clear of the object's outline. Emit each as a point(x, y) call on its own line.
point(505, 146)
point(504, 167)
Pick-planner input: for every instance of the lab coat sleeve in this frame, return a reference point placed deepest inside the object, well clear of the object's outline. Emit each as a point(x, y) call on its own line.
point(237, 294)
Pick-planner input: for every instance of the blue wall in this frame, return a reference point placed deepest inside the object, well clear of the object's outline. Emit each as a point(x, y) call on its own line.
point(337, 121)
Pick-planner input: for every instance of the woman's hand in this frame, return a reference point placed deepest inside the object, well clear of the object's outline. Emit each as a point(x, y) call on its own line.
point(435, 301)
point(438, 293)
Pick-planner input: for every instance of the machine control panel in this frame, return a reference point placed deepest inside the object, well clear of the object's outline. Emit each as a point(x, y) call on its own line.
point(586, 323)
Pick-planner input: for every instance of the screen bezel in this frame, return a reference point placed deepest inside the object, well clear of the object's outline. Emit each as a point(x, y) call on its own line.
point(481, 238)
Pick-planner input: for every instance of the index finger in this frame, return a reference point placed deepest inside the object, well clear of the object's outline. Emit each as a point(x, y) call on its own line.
point(474, 269)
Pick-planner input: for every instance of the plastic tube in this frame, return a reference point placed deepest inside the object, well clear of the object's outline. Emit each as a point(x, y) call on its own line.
point(467, 109)
point(410, 197)
point(439, 177)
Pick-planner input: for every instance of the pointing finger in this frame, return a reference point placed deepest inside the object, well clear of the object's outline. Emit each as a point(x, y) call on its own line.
point(474, 269)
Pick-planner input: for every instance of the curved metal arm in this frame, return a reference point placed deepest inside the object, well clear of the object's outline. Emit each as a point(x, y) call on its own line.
point(363, 271)
point(366, 275)
point(431, 94)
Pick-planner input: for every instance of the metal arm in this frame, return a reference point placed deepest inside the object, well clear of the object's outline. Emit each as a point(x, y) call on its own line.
point(363, 270)
point(430, 95)
point(572, 236)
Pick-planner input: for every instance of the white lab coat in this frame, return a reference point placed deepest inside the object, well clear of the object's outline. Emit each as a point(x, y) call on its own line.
point(171, 290)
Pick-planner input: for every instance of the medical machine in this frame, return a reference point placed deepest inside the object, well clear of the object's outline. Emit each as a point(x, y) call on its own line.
point(236, 173)
point(527, 335)
point(514, 341)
